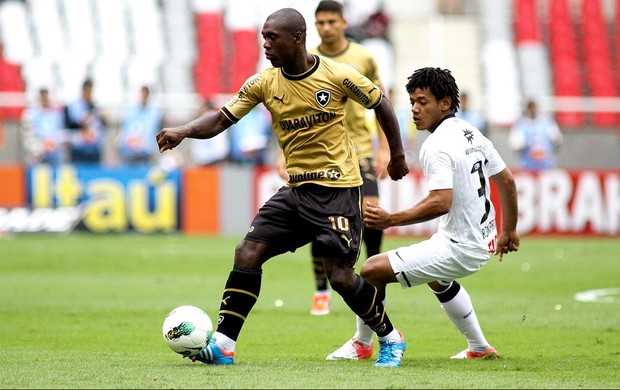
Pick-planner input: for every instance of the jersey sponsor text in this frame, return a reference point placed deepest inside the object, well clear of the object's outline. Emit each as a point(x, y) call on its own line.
point(307, 121)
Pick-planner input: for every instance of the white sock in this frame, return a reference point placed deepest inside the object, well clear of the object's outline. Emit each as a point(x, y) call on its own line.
point(224, 342)
point(392, 336)
point(364, 333)
point(461, 312)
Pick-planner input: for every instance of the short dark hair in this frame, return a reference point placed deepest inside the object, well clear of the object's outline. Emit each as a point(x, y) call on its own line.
point(290, 20)
point(330, 6)
point(440, 82)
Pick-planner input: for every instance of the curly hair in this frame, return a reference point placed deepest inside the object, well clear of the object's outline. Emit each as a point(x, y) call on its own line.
point(439, 81)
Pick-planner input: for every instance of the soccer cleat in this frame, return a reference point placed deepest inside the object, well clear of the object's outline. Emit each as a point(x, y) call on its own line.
point(213, 354)
point(320, 303)
point(489, 354)
point(391, 352)
point(351, 350)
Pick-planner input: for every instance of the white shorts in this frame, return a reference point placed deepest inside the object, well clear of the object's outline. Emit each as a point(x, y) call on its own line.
point(436, 259)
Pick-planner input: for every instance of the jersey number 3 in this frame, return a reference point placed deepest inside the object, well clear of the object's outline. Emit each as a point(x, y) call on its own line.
point(482, 191)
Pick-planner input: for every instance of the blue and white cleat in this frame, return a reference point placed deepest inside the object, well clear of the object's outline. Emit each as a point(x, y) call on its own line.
point(391, 352)
point(213, 354)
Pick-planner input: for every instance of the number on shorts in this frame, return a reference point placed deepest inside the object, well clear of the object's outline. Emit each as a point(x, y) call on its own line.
point(339, 223)
point(482, 191)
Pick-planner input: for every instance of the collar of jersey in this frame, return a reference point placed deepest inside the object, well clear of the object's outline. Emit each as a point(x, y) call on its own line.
point(307, 73)
point(442, 120)
point(318, 48)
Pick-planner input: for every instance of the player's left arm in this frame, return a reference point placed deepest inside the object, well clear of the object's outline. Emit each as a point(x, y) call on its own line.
point(397, 167)
point(508, 240)
point(382, 155)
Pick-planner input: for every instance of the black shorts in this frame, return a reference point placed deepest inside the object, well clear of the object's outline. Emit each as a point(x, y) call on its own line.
point(329, 218)
point(370, 186)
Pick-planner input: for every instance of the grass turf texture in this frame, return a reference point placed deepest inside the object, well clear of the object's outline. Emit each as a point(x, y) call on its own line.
point(85, 311)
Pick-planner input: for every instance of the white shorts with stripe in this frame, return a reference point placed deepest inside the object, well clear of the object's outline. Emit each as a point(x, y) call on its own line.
point(436, 259)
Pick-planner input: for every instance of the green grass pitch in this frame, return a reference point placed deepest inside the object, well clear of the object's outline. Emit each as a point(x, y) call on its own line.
point(85, 311)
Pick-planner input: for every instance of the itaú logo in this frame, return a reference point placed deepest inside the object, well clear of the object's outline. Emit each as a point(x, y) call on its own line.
point(332, 174)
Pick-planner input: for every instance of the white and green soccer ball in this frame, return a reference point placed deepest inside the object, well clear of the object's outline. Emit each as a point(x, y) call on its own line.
point(187, 330)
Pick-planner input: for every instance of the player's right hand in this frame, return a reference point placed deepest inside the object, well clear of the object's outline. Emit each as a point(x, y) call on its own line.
point(169, 138)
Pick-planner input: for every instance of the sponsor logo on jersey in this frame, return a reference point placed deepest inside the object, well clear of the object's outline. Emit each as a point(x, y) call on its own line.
point(474, 149)
point(469, 135)
point(322, 97)
point(280, 99)
point(489, 229)
point(357, 92)
point(243, 91)
point(332, 174)
point(307, 121)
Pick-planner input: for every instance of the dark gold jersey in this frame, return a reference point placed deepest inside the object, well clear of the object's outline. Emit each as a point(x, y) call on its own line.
point(307, 113)
point(360, 58)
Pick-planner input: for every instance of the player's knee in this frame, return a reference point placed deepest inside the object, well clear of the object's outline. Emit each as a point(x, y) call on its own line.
point(247, 255)
point(372, 270)
point(342, 279)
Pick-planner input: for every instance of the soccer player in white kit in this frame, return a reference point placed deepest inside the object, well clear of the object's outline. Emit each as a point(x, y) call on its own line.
point(458, 162)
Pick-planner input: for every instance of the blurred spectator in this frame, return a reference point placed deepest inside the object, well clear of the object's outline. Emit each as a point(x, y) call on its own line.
point(450, 7)
point(249, 138)
point(86, 127)
point(43, 131)
point(209, 151)
point(136, 140)
point(470, 115)
point(536, 138)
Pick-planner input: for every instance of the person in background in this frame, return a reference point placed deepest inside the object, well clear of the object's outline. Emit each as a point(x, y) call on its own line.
point(459, 163)
point(470, 115)
point(86, 127)
point(136, 139)
point(320, 203)
point(535, 138)
point(43, 129)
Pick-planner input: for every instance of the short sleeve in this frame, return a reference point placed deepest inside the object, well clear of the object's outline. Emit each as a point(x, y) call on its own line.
point(359, 88)
point(249, 95)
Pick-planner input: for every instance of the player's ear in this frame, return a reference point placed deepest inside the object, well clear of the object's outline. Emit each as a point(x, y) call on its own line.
point(445, 103)
point(298, 37)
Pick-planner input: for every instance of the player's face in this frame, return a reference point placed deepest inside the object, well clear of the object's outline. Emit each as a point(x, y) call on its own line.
point(427, 110)
point(330, 26)
point(278, 44)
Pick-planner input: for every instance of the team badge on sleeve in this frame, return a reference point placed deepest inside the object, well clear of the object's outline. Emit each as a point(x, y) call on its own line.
point(322, 97)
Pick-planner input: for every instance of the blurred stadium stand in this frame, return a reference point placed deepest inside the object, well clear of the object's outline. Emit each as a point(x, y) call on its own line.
point(562, 52)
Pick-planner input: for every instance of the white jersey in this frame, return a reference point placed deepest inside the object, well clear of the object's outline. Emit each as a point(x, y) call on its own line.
point(457, 156)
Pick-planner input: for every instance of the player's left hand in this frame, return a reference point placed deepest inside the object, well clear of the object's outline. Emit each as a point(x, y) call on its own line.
point(398, 168)
point(382, 159)
point(507, 243)
point(377, 218)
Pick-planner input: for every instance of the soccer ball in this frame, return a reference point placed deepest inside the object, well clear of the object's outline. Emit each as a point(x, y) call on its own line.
point(187, 330)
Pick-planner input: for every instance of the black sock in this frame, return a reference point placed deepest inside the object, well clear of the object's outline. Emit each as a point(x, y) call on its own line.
point(365, 301)
point(449, 293)
point(240, 295)
point(319, 273)
point(373, 239)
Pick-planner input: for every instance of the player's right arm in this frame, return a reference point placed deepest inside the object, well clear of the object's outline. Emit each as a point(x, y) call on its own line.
point(206, 126)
